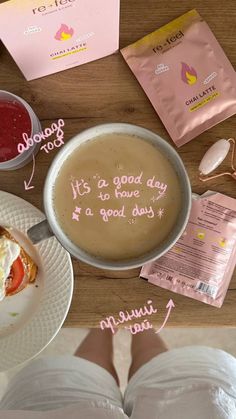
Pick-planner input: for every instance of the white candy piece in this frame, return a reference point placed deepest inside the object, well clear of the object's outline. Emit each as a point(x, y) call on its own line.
point(214, 156)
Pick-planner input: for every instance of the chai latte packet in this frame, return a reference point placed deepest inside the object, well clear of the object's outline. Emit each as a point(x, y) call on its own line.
point(48, 36)
point(186, 75)
point(202, 262)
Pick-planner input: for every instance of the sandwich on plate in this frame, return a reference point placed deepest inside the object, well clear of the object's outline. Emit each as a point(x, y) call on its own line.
point(17, 269)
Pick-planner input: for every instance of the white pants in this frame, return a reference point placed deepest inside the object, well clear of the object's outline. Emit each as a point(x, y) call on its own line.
point(186, 383)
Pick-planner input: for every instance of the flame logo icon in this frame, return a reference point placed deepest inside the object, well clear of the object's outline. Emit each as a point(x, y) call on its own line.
point(188, 74)
point(64, 33)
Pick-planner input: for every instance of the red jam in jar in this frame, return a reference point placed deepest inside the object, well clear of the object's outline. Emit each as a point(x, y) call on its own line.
point(14, 121)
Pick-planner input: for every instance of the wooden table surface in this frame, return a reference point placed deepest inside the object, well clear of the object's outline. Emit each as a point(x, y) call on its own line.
point(106, 91)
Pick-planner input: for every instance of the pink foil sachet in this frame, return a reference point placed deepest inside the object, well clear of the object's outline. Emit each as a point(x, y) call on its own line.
point(202, 262)
point(186, 75)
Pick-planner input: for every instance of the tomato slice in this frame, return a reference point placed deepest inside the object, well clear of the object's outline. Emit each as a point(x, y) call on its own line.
point(16, 276)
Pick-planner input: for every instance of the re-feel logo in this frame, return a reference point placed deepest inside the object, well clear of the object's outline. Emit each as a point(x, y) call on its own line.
point(53, 5)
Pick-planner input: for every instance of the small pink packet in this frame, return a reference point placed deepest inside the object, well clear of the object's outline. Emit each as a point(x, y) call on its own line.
point(45, 37)
point(186, 75)
point(202, 262)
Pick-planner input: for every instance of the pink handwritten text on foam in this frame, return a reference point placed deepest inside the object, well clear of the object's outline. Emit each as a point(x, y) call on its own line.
point(81, 187)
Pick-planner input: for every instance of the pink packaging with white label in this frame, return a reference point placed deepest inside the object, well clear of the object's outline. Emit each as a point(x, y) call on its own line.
point(186, 75)
point(202, 262)
point(48, 36)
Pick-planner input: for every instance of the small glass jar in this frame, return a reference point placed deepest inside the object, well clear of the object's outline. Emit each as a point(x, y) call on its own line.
point(20, 160)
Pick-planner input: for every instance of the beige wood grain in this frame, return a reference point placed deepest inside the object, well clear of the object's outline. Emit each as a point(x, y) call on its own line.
point(106, 91)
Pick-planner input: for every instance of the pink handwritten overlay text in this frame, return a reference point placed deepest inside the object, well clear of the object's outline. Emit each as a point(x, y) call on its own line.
point(56, 128)
point(140, 325)
point(81, 188)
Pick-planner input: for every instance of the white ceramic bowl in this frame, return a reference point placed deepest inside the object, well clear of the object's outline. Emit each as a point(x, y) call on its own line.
point(51, 225)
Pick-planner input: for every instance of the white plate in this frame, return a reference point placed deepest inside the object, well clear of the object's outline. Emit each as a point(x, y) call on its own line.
point(31, 319)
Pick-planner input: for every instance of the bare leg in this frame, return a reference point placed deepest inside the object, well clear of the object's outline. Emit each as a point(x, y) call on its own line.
point(97, 347)
point(145, 346)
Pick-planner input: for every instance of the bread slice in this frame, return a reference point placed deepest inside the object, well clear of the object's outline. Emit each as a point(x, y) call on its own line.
point(30, 266)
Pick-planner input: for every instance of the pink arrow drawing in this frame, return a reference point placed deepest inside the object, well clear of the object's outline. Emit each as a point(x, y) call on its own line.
point(27, 184)
point(169, 306)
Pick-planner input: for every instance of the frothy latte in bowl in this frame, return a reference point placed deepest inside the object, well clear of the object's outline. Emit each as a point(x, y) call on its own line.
point(116, 196)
